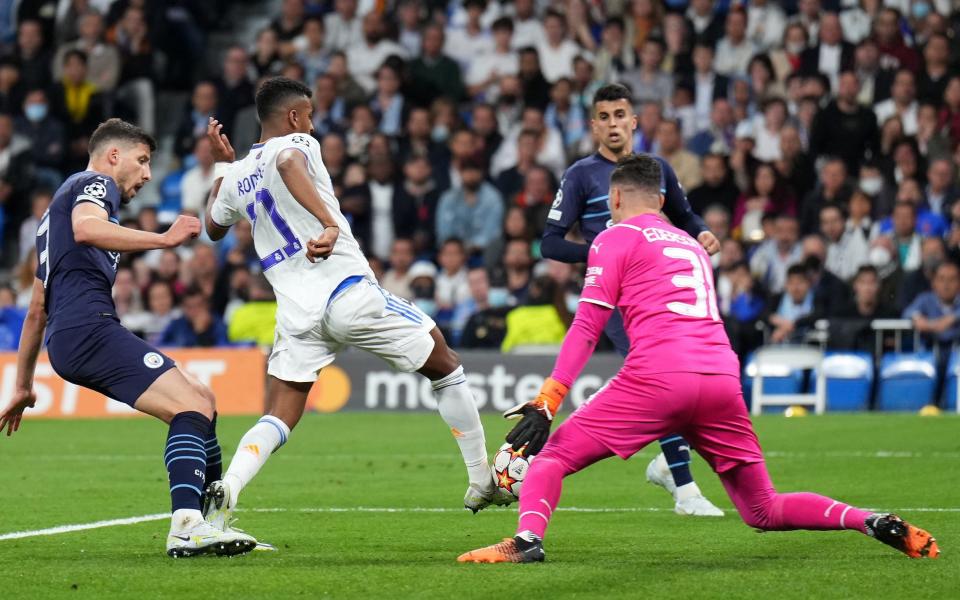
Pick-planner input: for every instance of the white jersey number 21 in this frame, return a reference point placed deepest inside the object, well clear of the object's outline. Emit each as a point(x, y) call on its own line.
point(700, 281)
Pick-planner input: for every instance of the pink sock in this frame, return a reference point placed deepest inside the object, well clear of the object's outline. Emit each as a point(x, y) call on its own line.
point(540, 494)
point(760, 505)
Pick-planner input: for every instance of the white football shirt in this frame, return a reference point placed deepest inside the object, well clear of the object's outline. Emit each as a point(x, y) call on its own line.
point(253, 189)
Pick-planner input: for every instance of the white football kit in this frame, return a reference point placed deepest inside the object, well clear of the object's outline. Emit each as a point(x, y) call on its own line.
point(321, 306)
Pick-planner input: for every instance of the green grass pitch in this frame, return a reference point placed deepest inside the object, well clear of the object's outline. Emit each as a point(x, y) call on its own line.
point(71, 472)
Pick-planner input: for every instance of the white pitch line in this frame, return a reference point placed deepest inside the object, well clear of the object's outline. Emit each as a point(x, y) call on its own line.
point(16, 535)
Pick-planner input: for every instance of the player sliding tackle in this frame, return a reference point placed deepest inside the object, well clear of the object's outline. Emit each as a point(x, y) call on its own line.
point(78, 246)
point(327, 296)
point(685, 379)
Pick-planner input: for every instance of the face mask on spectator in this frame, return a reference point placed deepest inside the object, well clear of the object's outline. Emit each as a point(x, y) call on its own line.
point(440, 133)
point(498, 297)
point(796, 47)
point(880, 256)
point(572, 300)
point(920, 10)
point(871, 185)
point(35, 112)
point(427, 305)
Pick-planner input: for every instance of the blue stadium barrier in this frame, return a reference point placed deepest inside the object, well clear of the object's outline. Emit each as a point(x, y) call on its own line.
point(950, 388)
point(849, 377)
point(775, 382)
point(906, 381)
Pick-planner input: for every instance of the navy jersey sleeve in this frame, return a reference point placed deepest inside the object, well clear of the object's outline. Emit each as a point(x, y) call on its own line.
point(103, 192)
point(675, 204)
point(567, 208)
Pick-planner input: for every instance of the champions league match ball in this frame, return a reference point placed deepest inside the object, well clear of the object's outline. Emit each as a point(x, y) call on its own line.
point(510, 467)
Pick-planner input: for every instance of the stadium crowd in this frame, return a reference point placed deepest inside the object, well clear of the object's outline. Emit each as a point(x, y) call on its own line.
point(819, 139)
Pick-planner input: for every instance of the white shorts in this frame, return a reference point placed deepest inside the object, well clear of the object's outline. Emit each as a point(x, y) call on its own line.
point(364, 316)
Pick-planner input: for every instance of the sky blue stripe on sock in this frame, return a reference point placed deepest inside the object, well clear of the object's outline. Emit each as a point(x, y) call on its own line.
point(199, 460)
point(186, 443)
point(400, 308)
point(404, 311)
point(202, 453)
point(212, 442)
point(187, 435)
point(672, 439)
point(598, 199)
point(213, 464)
point(283, 436)
point(679, 464)
point(188, 486)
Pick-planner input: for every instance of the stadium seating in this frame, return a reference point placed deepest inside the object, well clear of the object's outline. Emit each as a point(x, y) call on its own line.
point(906, 381)
point(777, 379)
point(849, 379)
point(786, 363)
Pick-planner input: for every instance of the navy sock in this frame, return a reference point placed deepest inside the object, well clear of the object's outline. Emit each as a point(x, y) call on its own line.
point(214, 461)
point(677, 452)
point(186, 459)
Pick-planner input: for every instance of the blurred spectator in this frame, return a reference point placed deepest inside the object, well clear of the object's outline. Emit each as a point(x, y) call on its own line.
point(535, 86)
point(434, 74)
point(527, 28)
point(483, 122)
point(517, 269)
point(770, 261)
point(766, 195)
point(312, 52)
point(832, 54)
point(387, 102)
point(941, 192)
point(198, 180)
point(464, 43)
point(344, 27)
point(289, 24)
point(556, 50)
point(487, 324)
point(46, 136)
point(537, 321)
point(131, 36)
point(935, 313)
point(875, 78)
point(615, 56)
point(161, 311)
point(255, 320)
point(648, 82)
point(397, 278)
point(78, 104)
point(932, 79)
point(670, 147)
point(329, 110)
point(473, 212)
point(707, 24)
point(791, 313)
point(845, 128)
point(767, 130)
point(364, 58)
point(718, 137)
point(894, 52)
point(381, 188)
point(550, 151)
point(408, 17)
point(734, 50)
point(741, 304)
point(847, 248)
point(831, 189)
point(511, 181)
point(850, 325)
point(32, 56)
point(905, 238)
point(14, 169)
point(11, 319)
point(566, 116)
point(423, 285)
point(11, 88)
point(234, 89)
point(486, 69)
point(103, 60)
point(933, 251)
point(198, 327)
point(193, 124)
point(39, 203)
point(902, 102)
point(452, 288)
point(266, 54)
point(717, 186)
point(829, 291)
point(765, 24)
point(417, 197)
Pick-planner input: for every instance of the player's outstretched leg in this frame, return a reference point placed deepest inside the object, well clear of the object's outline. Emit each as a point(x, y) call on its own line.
point(284, 407)
point(568, 450)
point(671, 471)
point(459, 411)
point(189, 414)
point(762, 507)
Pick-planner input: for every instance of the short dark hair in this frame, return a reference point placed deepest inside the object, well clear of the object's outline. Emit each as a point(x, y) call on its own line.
point(798, 269)
point(611, 92)
point(74, 53)
point(274, 92)
point(867, 269)
point(121, 131)
point(502, 23)
point(638, 170)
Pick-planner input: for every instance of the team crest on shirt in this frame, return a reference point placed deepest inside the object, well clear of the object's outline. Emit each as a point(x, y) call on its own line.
point(96, 190)
point(299, 139)
point(152, 360)
point(558, 199)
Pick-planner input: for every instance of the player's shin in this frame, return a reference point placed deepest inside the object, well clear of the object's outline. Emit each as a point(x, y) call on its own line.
point(539, 497)
point(459, 411)
point(255, 448)
point(185, 457)
point(214, 457)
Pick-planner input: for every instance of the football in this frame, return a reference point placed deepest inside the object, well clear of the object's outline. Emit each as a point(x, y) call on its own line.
point(510, 467)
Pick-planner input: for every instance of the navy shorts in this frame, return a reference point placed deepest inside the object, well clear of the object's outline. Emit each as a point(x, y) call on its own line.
point(107, 358)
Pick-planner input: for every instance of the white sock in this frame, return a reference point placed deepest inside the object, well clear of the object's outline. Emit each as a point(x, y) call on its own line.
point(687, 491)
point(183, 519)
point(255, 448)
point(459, 411)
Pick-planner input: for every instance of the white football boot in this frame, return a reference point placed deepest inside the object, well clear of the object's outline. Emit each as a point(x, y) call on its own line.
point(218, 511)
point(478, 496)
point(696, 505)
point(192, 536)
